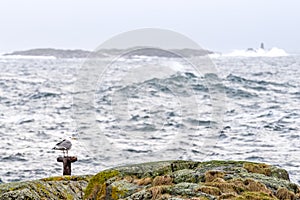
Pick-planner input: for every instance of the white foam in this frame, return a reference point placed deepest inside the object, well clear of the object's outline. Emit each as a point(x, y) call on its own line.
point(3, 57)
point(274, 52)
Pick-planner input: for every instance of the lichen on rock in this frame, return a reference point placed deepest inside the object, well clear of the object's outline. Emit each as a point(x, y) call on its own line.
point(169, 180)
point(199, 180)
point(61, 187)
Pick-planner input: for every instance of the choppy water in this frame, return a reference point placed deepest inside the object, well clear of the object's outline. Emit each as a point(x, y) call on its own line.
point(165, 111)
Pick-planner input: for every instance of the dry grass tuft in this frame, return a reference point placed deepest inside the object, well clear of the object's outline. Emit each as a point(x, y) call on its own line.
point(210, 190)
point(162, 180)
point(219, 180)
point(259, 168)
point(224, 187)
point(283, 193)
point(212, 175)
point(255, 186)
point(157, 191)
point(129, 179)
point(143, 181)
point(228, 196)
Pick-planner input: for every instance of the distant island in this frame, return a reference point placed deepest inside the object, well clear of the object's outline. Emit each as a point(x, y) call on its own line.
point(60, 53)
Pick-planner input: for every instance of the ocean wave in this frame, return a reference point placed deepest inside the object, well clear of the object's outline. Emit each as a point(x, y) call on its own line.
point(162, 117)
point(11, 57)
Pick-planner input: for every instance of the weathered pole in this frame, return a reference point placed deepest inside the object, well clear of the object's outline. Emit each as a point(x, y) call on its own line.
point(67, 160)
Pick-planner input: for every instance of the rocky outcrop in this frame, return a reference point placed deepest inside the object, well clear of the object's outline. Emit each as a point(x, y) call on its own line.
point(174, 180)
point(193, 180)
point(64, 187)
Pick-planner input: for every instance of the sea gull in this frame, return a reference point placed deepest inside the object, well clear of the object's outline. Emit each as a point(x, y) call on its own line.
point(64, 145)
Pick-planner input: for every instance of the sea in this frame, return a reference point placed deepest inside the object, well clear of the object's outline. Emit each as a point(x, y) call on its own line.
point(134, 108)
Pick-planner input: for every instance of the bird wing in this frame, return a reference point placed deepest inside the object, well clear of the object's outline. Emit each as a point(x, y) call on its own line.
point(63, 145)
point(60, 142)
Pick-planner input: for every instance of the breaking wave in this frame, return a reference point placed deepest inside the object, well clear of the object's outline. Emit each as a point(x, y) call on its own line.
point(12, 57)
point(273, 52)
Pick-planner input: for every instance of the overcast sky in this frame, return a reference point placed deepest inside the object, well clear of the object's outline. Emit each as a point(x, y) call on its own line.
point(218, 25)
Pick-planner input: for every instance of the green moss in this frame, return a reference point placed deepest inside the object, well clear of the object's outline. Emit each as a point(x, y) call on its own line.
point(56, 178)
point(203, 198)
point(217, 163)
point(97, 183)
point(70, 197)
point(117, 193)
point(42, 190)
point(67, 178)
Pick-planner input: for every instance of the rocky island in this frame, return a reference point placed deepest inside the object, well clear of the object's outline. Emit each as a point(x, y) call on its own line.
point(61, 53)
point(176, 180)
point(57, 53)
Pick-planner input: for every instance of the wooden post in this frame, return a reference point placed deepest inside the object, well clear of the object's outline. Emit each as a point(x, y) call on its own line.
point(67, 160)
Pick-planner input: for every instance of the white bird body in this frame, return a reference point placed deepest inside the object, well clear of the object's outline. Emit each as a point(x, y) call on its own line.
point(64, 145)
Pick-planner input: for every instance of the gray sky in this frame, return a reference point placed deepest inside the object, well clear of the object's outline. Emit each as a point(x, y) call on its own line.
point(215, 24)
